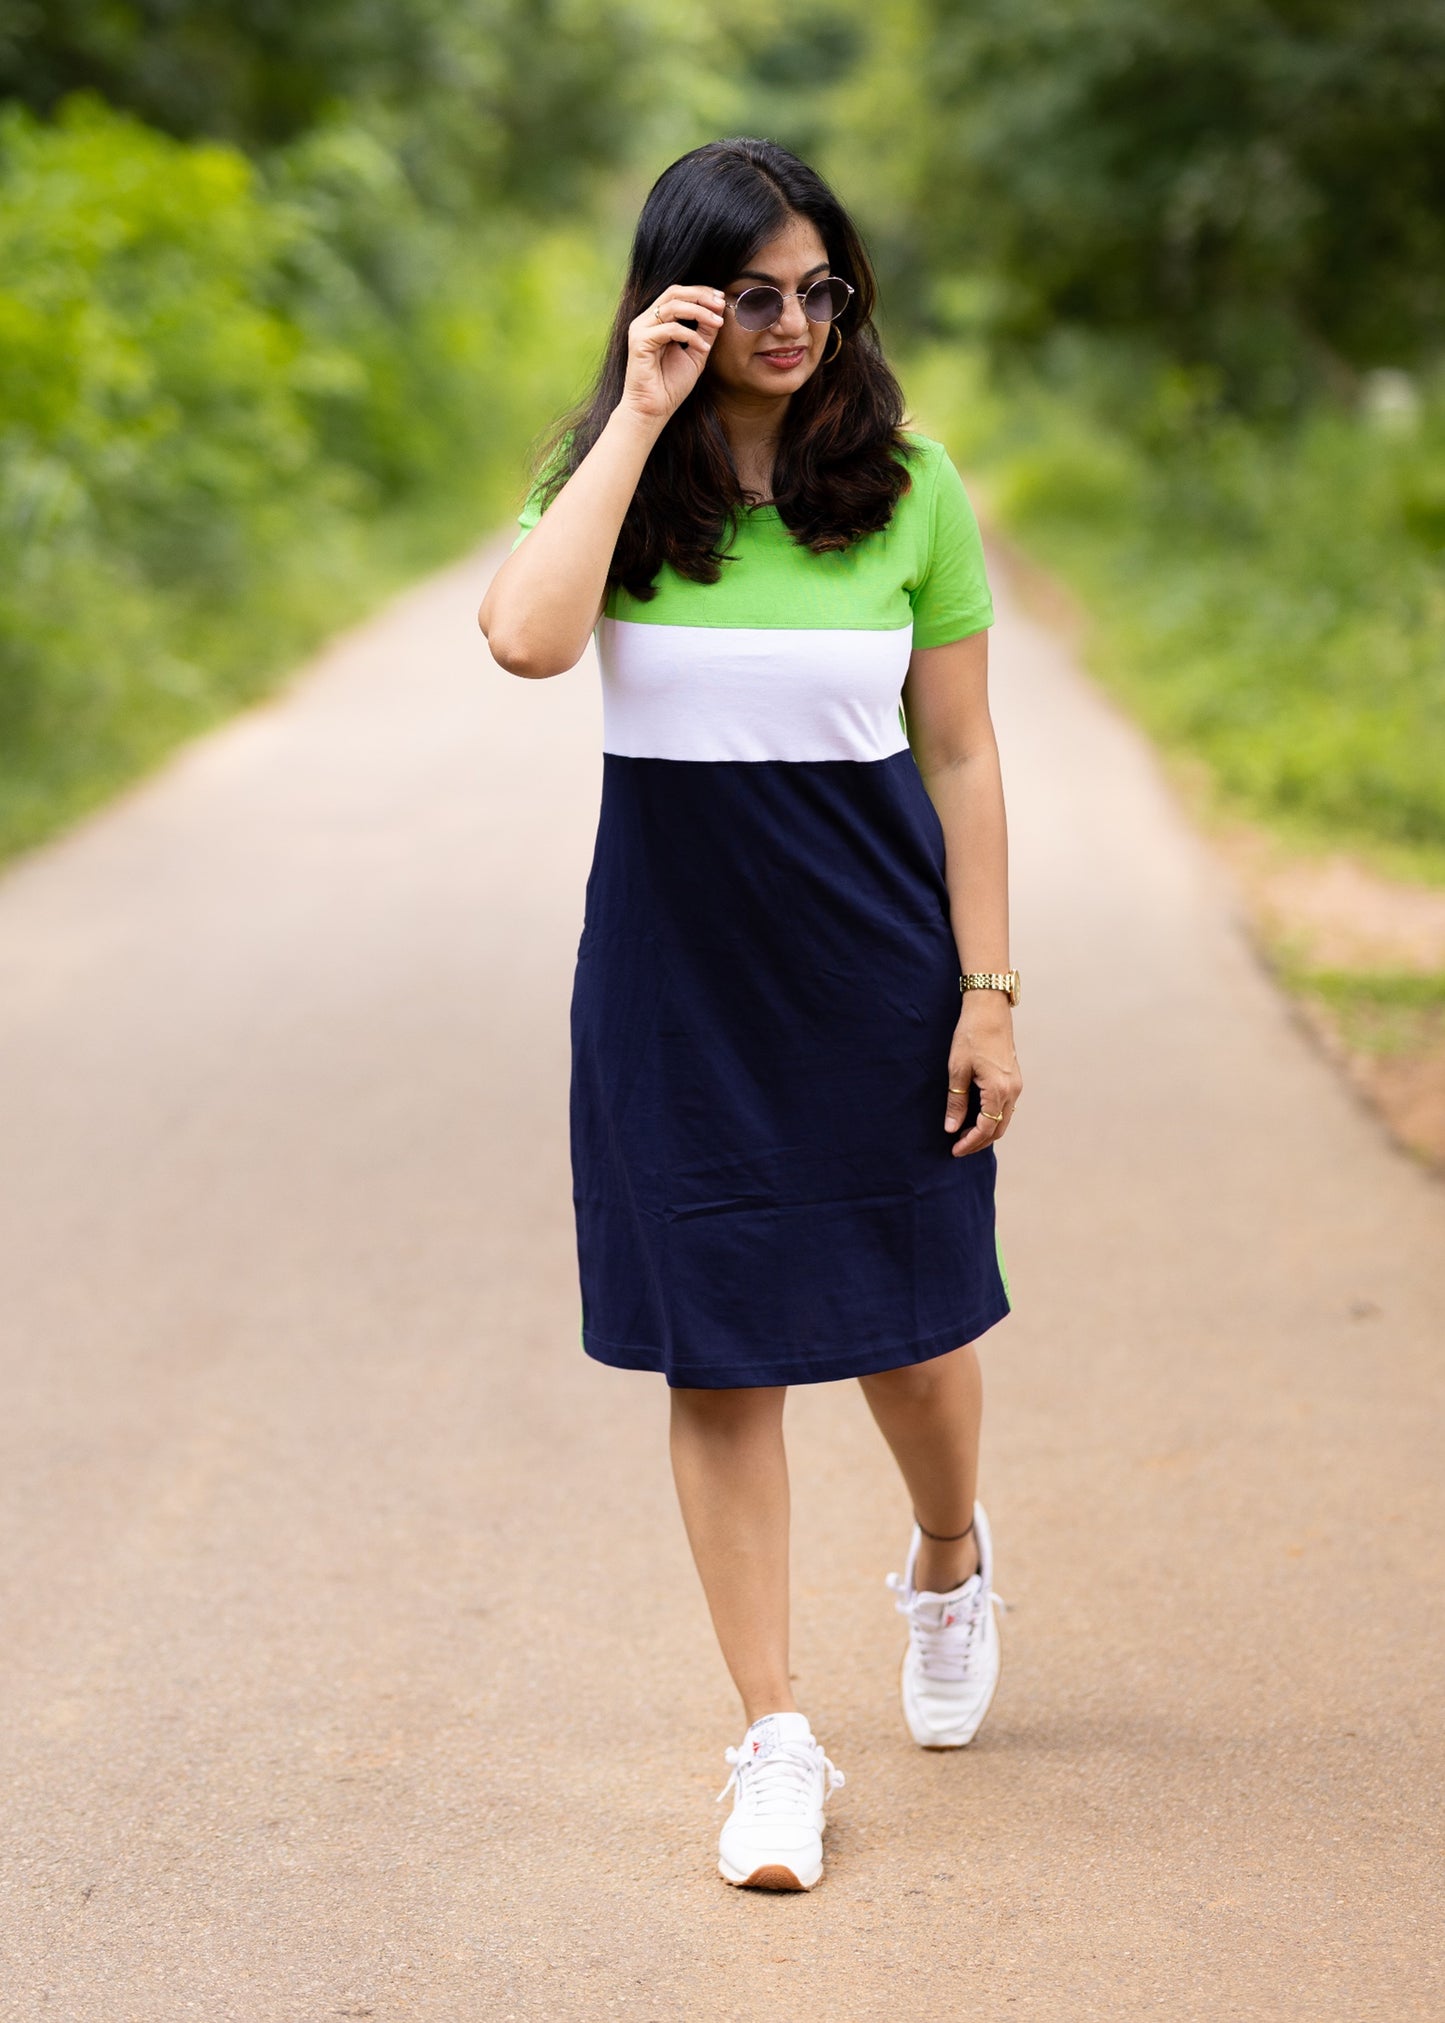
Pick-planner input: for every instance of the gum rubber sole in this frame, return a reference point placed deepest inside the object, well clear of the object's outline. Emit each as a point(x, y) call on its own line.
point(772, 1876)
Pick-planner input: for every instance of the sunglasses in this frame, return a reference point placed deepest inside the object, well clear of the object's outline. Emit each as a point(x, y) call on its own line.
point(759, 308)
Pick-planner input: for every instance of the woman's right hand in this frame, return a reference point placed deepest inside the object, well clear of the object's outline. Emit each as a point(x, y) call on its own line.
point(661, 372)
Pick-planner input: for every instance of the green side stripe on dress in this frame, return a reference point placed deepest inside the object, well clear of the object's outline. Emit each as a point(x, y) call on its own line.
point(1002, 1269)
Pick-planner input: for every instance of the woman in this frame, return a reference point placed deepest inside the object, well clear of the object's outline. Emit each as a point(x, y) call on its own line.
point(783, 1108)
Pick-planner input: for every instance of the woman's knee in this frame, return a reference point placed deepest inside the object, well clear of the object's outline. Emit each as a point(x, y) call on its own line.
point(919, 1383)
point(728, 1414)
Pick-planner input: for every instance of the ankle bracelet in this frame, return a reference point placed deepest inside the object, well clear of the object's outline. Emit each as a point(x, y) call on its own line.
point(940, 1538)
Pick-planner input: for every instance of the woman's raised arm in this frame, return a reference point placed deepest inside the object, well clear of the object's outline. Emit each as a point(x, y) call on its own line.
point(543, 602)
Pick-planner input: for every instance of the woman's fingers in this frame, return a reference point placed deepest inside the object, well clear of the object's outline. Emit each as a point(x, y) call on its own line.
point(960, 1083)
point(981, 1055)
point(702, 306)
point(689, 292)
point(676, 332)
point(997, 1095)
point(986, 1127)
point(666, 356)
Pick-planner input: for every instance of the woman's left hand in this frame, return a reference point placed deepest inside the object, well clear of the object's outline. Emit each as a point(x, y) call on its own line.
point(982, 1052)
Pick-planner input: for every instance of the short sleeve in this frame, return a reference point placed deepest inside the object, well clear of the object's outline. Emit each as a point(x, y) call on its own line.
point(533, 509)
point(952, 598)
point(530, 514)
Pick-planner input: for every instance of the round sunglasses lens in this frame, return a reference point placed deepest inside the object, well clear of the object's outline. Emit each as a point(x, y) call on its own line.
point(756, 308)
point(826, 299)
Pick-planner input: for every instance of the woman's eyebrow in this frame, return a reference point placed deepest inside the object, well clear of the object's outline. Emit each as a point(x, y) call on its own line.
point(752, 274)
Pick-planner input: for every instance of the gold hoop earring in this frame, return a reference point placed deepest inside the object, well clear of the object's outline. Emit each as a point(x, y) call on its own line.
point(829, 356)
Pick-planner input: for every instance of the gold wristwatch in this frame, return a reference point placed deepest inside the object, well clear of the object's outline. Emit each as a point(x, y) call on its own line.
point(992, 979)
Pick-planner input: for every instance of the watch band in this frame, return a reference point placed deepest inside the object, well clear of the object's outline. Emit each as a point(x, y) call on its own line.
point(992, 979)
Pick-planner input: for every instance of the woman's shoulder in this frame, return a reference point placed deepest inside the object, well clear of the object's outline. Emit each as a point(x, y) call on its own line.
point(925, 452)
point(927, 446)
point(924, 458)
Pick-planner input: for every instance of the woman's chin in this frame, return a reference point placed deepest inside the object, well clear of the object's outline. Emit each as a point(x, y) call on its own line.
point(775, 379)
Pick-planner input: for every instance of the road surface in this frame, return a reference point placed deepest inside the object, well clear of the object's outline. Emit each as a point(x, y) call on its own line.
point(353, 1665)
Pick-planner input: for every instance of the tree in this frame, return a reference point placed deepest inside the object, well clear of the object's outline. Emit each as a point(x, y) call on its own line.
point(1256, 184)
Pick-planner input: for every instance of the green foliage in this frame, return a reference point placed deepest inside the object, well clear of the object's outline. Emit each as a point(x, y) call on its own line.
point(243, 70)
point(242, 394)
point(234, 406)
point(1256, 184)
point(485, 100)
point(1273, 602)
point(1164, 254)
point(1388, 1014)
point(295, 334)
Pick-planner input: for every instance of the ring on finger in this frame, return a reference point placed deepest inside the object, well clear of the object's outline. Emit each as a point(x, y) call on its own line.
point(991, 1117)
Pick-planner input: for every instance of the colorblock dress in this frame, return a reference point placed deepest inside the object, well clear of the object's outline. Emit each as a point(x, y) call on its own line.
point(767, 981)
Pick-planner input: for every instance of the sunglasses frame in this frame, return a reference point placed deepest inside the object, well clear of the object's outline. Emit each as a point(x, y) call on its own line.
point(785, 297)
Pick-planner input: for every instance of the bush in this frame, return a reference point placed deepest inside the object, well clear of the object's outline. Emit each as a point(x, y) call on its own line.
point(236, 404)
point(1270, 599)
point(1256, 187)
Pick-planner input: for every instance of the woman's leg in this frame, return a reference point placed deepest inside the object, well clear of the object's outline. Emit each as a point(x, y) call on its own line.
point(732, 1482)
point(929, 1414)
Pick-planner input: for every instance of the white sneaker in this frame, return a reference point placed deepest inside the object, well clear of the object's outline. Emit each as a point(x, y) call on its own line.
point(950, 1669)
point(773, 1839)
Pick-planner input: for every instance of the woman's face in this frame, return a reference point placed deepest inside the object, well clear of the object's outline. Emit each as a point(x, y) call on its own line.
point(780, 359)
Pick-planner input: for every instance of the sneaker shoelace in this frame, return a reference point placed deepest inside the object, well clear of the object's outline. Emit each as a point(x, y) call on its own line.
point(947, 1632)
point(777, 1781)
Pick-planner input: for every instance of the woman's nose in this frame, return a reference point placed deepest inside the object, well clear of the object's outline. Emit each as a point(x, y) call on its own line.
point(792, 322)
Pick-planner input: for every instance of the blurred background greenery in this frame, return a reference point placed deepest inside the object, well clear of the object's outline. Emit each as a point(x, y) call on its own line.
point(286, 293)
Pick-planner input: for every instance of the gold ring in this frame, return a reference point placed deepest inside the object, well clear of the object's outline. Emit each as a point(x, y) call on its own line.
point(956, 1092)
point(991, 1117)
point(657, 313)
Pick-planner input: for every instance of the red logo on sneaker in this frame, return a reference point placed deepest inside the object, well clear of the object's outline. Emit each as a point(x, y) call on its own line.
point(946, 1621)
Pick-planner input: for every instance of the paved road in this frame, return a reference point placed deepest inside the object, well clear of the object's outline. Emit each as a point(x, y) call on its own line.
point(352, 1662)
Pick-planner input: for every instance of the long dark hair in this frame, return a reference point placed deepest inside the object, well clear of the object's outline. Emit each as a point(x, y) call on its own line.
point(838, 472)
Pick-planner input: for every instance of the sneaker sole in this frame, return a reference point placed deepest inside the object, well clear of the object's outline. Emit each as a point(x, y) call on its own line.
point(982, 1713)
point(772, 1876)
